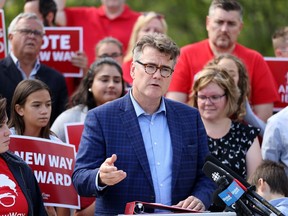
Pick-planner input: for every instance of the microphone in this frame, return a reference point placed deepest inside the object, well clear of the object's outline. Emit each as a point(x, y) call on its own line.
point(222, 184)
point(217, 169)
point(226, 193)
point(229, 171)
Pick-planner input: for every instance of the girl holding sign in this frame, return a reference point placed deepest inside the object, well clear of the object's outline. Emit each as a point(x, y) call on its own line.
point(31, 108)
point(19, 190)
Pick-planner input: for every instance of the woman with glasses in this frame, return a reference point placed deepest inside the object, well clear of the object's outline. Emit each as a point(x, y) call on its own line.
point(235, 144)
point(19, 190)
point(109, 47)
point(236, 68)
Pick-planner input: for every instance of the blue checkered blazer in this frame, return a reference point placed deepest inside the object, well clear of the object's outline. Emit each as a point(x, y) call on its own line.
point(113, 128)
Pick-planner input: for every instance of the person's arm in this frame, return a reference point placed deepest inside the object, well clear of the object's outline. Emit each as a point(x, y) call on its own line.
point(177, 96)
point(253, 157)
point(86, 212)
point(272, 141)
point(60, 15)
point(2, 3)
point(253, 119)
point(263, 111)
point(62, 211)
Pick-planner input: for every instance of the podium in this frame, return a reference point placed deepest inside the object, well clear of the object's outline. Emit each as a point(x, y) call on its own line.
point(138, 207)
point(196, 214)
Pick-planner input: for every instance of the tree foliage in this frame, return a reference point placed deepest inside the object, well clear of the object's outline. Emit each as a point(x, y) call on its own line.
point(186, 18)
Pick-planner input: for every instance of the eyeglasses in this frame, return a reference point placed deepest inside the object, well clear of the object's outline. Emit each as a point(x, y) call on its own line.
point(151, 69)
point(29, 32)
point(113, 55)
point(213, 99)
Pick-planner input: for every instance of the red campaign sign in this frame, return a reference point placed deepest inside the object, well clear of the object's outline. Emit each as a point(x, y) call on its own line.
point(3, 43)
point(279, 69)
point(58, 47)
point(53, 164)
point(73, 133)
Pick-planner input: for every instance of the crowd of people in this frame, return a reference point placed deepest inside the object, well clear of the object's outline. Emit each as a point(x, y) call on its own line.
point(152, 112)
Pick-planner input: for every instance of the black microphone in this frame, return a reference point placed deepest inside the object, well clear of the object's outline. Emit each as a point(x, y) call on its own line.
point(233, 174)
point(239, 206)
point(222, 184)
point(214, 169)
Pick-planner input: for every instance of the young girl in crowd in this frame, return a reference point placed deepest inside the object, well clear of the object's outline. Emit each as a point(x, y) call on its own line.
point(103, 83)
point(233, 143)
point(31, 108)
point(19, 190)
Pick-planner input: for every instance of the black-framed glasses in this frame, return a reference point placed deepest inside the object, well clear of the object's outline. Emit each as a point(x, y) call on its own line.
point(29, 32)
point(213, 99)
point(112, 55)
point(152, 68)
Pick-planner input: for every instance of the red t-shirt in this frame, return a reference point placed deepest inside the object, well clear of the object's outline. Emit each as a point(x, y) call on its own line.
point(194, 56)
point(12, 199)
point(96, 26)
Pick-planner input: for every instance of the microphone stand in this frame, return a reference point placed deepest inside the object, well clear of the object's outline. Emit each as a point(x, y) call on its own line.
point(251, 190)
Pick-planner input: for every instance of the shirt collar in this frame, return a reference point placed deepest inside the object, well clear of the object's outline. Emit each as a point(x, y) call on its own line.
point(138, 109)
point(17, 63)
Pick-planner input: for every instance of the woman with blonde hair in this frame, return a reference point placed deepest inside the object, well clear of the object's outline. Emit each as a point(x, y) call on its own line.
point(235, 144)
point(148, 22)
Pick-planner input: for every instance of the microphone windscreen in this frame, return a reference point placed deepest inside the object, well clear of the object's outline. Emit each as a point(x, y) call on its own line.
point(215, 172)
point(228, 169)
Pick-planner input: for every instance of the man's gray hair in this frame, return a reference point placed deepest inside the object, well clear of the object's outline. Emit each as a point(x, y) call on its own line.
point(161, 42)
point(13, 25)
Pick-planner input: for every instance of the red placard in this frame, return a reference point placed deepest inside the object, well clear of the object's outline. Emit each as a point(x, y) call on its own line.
point(279, 69)
point(3, 43)
point(73, 133)
point(53, 164)
point(59, 45)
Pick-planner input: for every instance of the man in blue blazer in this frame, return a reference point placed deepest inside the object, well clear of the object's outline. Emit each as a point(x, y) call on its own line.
point(143, 147)
point(25, 36)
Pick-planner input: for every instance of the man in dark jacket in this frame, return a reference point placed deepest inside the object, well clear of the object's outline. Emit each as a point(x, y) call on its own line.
point(25, 36)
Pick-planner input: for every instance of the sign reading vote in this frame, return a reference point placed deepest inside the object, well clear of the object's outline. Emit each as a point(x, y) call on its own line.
point(58, 47)
point(3, 43)
point(52, 163)
point(279, 69)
